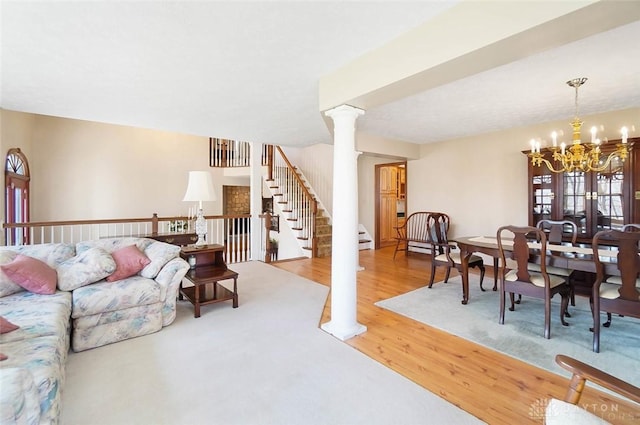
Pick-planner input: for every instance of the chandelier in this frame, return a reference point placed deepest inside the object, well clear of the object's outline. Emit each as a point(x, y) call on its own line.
point(579, 156)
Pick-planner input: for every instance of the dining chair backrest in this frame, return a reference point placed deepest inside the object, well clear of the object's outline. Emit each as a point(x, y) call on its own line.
point(557, 229)
point(438, 227)
point(628, 261)
point(617, 294)
point(520, 252)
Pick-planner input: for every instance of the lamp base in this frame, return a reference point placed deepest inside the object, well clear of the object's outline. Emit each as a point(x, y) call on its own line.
point(201, 229)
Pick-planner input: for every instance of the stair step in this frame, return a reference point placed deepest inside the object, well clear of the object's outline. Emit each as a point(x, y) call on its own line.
point(364, 241)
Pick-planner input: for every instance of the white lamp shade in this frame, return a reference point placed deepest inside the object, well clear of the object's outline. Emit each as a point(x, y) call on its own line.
point(200, 187)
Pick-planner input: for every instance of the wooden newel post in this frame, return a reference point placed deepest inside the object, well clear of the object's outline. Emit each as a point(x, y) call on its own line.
point(267, 227)
point(154, 224)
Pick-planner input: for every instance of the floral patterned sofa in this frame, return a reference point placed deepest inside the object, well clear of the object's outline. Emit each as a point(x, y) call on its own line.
point(84, 295)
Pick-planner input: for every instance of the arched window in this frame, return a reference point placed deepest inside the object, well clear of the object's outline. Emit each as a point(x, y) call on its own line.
point(16, 179)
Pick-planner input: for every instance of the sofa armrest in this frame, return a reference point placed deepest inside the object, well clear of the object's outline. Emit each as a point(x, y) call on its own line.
point(169, 279)
point(172, 273)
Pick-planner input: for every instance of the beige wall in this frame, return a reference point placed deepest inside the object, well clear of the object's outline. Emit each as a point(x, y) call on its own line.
point(15, 132)
point(87, 170)
point(481, 182)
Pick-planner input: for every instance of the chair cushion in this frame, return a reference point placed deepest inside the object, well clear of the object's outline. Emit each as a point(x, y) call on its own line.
point(610, 291)
point(551, 270)
point(560, 412)
point(536, 278)
point(111, 296)
point(618, 281)
point(455, 257)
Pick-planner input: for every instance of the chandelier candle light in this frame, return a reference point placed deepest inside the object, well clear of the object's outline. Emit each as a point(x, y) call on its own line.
point(200, 189)
point(578, 156)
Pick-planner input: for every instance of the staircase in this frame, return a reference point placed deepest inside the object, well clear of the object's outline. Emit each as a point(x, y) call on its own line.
point(323, 234)
point(299, 204)
point(364, 238)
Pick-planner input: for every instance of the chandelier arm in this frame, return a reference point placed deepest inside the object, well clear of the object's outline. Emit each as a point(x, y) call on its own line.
point(605, 165)
point(538, 160)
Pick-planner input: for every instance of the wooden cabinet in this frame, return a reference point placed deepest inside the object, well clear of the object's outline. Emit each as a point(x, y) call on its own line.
point(593, 200)
point(180, 239)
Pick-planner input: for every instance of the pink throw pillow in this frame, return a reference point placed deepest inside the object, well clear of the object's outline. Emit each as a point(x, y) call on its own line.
point(6, 326)
point(129, 261)
point(3, 357)
point(32, 274)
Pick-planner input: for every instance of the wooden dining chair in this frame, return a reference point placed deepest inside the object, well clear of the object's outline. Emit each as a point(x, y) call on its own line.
point(513, 244)
point(569, 409)
point(557, 231)
point(620, 293)
point(443, 252)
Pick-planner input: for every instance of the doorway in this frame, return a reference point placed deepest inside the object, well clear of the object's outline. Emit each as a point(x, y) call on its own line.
point(391, 201)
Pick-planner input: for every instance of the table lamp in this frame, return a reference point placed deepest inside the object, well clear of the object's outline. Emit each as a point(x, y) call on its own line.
point(200, 188)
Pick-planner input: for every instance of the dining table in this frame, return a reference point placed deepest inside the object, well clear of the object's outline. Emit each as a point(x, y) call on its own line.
point(565, 255)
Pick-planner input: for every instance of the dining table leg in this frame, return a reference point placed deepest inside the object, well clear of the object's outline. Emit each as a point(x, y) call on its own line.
point(464, 259)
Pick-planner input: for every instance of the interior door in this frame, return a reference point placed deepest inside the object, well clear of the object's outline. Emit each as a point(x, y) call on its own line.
point(390, 202)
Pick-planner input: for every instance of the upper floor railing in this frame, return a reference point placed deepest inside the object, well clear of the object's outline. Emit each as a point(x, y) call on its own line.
point(232, 231)
point(234, 153)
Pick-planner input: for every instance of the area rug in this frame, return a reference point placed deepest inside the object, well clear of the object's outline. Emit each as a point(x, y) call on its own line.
point(265, 362)
point(522, 335)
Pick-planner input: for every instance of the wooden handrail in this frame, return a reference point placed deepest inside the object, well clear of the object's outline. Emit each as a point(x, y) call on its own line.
point(299, 180)
point(299, 199)
point(233, 231)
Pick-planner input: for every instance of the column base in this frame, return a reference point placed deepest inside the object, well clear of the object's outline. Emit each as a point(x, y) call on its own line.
point(343, 333)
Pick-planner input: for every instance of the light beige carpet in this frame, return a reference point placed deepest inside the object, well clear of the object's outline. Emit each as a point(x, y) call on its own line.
point(266, 362)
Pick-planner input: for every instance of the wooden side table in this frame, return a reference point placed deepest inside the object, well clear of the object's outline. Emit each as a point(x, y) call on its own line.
point(208, 268)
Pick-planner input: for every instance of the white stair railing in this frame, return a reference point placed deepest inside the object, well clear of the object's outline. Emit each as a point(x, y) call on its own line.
point(295, 200)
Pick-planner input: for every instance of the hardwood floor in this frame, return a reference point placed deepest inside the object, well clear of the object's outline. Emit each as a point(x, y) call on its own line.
point(491, 386)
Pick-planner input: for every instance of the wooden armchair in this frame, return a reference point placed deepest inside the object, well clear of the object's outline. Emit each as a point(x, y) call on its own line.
point(413, 232)
point(521, 280)
point(441, 249)
point(616, 294)
point(567, 411)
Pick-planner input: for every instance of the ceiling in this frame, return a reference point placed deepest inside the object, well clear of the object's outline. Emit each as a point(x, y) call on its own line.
point(251, 70)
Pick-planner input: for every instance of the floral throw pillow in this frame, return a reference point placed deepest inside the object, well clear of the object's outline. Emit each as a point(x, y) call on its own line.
point(91, 266)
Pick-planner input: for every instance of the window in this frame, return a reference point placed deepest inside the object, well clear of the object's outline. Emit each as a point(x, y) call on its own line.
point(16, 178)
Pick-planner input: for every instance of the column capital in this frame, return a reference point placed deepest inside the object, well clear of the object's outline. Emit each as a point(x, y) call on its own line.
point(343, 110)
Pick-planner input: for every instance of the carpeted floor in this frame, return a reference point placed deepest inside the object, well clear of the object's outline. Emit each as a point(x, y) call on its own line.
point(266, 362)
point(522, 335)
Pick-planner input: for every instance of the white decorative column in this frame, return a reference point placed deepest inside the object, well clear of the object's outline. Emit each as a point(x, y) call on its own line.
point(344, 243)
point(255, 201)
